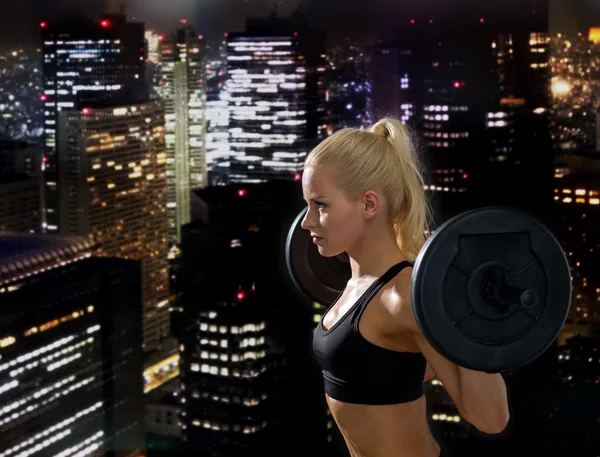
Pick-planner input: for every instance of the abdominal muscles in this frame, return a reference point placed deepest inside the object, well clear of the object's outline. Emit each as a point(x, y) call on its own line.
point(385, 430)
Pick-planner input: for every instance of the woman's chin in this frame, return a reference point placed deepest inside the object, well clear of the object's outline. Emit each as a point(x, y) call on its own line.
point(327, 252)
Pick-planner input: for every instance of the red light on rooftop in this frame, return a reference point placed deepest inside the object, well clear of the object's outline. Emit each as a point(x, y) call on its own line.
point(295, 33)
point(43, 25)
point(241, 295)
point(183, 21)
point(86, 111)
point(412, 21)
point(226, 34)
point(431, 21)
point(456, 84)
point(465, 176)
point(105, 23)
point(200, 37)
point(481, 20)
point(44, 97)
point(161, 37)
point(242, 192)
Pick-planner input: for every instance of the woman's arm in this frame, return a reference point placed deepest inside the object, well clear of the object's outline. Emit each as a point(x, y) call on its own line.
point(480, 397)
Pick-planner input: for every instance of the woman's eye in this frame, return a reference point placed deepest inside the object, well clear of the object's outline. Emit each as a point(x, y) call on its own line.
point(319, 204)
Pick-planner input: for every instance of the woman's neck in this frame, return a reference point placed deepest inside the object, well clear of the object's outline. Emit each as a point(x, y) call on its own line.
point(372, 257)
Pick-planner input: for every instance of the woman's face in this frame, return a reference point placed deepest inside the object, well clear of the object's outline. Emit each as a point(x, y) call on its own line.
point(332, 216)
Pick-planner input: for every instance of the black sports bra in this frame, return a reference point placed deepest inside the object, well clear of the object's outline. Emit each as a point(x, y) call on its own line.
point(358, 371)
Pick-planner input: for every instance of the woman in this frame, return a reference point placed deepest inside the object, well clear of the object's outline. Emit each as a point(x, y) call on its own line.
point(366, 198)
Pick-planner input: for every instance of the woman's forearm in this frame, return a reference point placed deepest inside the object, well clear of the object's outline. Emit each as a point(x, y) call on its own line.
point(484, 400)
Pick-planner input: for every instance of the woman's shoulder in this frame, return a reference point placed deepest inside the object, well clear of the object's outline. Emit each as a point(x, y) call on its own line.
point(396, 304)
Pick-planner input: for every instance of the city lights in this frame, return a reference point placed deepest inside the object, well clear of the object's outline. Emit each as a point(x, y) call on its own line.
point(560, 87)
point(137, 137)
point(594, 35)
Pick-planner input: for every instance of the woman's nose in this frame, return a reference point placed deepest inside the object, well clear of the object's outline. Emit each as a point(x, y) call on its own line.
point(306, 223)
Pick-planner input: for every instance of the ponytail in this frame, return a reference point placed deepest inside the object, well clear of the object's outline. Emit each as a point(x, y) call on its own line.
point(408, 205)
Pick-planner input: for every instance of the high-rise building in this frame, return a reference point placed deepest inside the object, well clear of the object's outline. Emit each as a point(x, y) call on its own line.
point(217, 111)
point(276, 94)
point(182, 90)
point(70, 334)
point(249, 384)
point(389, 67)
point(348, 87)
point(20, 157)
point(475, 89)
point(114, 190)
point(20, 187)
point(575, 63)
point(577, 202)
point(20, 203)
point(153, 41)
point(86, 64)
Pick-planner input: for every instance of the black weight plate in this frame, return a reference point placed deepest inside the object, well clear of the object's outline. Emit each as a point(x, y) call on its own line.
point(321, 279)
point(447, 281)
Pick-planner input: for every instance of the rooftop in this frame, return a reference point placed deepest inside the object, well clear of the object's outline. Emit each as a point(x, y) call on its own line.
point(21, 254)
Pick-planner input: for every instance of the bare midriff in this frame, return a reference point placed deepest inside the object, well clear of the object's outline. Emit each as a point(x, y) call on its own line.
point(399, 430)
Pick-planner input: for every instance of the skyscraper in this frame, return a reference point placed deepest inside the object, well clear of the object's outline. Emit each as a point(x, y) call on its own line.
point(348, 87)
point(90, 64)
point(114, 189)
point(20, 187)
point(20, 203)
point(70, 362)
point(276, 96)
point(575, 63)
point(475, 89)
point(249, 383)
point(182, 90)
point(577, 202)
point(217, 112)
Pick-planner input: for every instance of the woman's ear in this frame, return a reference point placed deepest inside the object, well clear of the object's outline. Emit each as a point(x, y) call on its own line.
point(371, 204)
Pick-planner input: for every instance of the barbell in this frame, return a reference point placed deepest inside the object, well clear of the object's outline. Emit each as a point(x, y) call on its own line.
point(490, 288)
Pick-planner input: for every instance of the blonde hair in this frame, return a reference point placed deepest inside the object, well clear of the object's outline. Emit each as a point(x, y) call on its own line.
point(383, 158)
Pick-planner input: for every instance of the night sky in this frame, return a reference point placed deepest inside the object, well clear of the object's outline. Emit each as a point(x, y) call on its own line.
point(363, 19)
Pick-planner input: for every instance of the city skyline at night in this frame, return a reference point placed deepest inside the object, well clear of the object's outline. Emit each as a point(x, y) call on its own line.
point(151, 160)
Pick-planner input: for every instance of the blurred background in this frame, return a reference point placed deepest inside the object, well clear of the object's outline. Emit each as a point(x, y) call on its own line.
point(150, 163)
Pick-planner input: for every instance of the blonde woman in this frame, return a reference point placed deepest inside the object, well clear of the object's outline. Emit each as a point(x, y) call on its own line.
point(366, 198)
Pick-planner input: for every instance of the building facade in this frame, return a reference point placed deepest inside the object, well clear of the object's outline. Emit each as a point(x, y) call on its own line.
point(113, 186)
point(182, 91)
point(86, 64)
point(70, 351)
point(276, 98)
point(245, 356)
